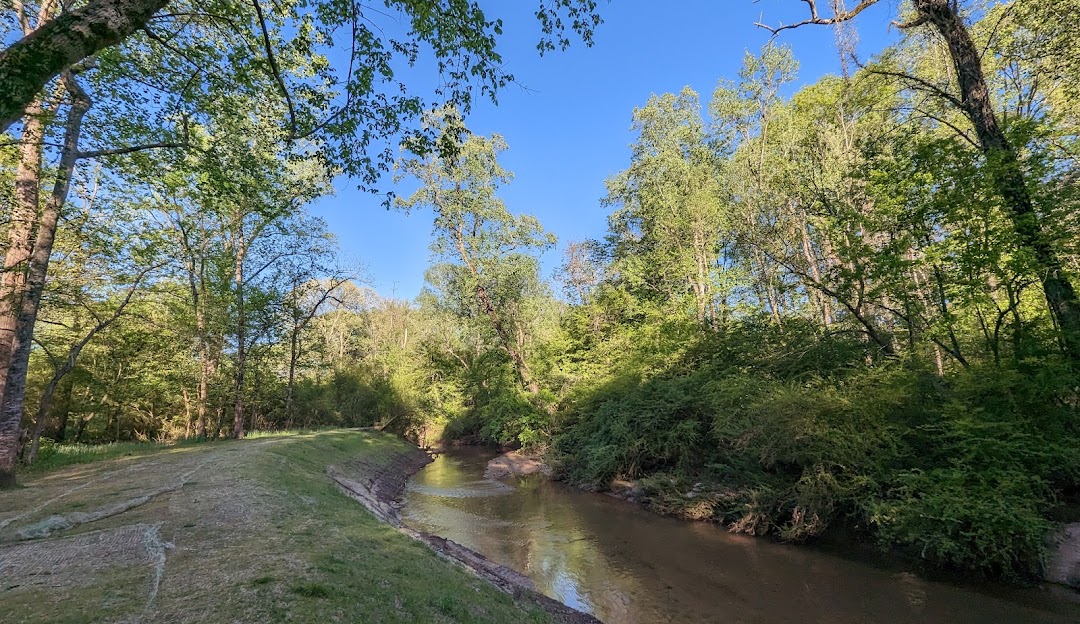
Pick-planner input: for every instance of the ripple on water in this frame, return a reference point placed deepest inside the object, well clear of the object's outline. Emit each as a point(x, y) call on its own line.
point(472, 489)
point(446, 517)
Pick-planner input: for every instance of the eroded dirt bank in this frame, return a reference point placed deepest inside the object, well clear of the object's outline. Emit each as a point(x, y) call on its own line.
point(379, 489)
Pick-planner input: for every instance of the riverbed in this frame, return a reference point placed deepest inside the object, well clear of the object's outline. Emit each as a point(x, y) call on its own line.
point(625, 565)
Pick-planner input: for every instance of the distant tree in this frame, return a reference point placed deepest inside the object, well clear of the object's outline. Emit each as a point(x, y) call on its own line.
point(492, 250)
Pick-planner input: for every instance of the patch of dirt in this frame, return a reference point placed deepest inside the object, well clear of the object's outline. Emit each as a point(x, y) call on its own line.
point(59, 562)
point(515, 463)
point(1064, 564)
point(379, 489)
point(77, 535)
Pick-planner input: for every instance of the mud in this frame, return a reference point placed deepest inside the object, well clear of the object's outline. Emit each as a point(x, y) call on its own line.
point(515, 463)
point(1063, 566)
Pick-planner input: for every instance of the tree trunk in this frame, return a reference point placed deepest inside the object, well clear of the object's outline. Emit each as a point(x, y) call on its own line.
point(520, 365)
point(1007, 175)
point(206, 371)
point(12, 406)
point(65, 414)
point(81, 428)
point(197, 283)
point(27, 65)
point(815, 272)
point(187, 413)
point(294, 356)
point(20, 231)
point(241, 336)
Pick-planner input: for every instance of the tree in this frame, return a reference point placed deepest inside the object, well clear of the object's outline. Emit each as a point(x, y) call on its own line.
point(11, 407)
point(308, 295)
point(665, 233)
point(459, 34)
point(581, 270)
point(198, 60)
point(1004, 163)
point(490, 247)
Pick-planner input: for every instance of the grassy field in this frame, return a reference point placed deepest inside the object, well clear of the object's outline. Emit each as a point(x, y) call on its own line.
point(55, 456)
point(249, 531)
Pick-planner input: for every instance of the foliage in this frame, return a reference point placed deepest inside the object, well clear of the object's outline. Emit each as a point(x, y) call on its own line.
point(849, 305)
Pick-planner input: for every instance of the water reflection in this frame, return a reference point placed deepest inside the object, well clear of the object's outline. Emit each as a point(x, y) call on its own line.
point(627, 566)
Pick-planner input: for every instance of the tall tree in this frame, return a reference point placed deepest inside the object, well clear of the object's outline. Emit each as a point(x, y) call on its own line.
point(493, 249)
point(1004, 162)
point(671, 206)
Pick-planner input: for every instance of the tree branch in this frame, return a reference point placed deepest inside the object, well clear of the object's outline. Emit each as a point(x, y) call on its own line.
point(837, 18)
point(929, 86)
point(27, 65)
point(275, 70)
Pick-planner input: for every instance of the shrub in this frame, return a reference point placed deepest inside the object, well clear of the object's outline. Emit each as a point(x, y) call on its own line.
point(987, 520)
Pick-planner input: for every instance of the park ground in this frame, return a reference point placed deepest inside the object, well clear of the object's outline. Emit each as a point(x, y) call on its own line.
point(239, 531)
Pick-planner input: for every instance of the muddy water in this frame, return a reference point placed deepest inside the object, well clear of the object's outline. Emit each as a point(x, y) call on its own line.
point(627, 566)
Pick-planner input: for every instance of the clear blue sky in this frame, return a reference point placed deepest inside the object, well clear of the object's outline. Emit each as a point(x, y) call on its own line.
point(568, 125)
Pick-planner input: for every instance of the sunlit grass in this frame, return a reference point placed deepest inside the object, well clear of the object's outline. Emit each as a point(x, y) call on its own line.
point(261, 534)
point(54, 456)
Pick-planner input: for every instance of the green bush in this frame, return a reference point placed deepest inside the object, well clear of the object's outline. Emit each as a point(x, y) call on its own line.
point(789, 434)
point(987, 520)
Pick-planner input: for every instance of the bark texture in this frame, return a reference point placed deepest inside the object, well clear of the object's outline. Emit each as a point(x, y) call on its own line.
point(11, 408)
point(31, 62)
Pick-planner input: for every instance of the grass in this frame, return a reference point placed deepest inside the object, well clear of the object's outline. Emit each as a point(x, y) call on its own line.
point(55, 456)
point(360, 569)
point(257, 534)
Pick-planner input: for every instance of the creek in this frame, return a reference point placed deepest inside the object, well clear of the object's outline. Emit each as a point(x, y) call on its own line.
point(625, 565)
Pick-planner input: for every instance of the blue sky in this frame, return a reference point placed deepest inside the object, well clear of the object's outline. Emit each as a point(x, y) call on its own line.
point(568, 124)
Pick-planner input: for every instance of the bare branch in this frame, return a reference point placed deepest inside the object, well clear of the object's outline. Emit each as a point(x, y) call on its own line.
point(816, 19)
point(929, 86)
point(120, 151)
point(915, 23)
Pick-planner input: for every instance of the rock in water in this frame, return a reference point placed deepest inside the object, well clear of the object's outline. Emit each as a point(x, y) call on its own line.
point(1064, 562)
point(514, 463)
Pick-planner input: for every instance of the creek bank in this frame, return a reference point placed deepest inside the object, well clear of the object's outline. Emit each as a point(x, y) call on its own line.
point(241, 531)
point(379, 488)
point(516, 463)
point(1063, 565)
point(698, 503)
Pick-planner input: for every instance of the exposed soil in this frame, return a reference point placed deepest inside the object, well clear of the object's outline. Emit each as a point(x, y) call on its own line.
point(379, 489)
point(1064, 562)
point(515, 463)
point(104, 525)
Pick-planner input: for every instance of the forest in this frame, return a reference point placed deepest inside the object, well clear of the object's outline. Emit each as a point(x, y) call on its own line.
point(850, 306)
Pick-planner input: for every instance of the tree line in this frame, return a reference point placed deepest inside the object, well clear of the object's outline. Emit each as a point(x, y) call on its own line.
point(223, 120)
point(851, 305)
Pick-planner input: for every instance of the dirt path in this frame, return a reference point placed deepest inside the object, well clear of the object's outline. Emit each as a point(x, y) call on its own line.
point(83, 530)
